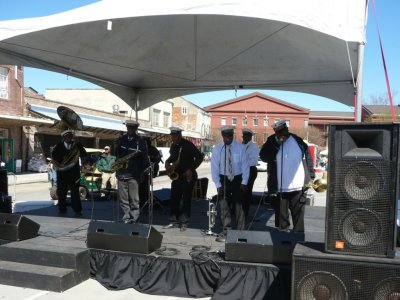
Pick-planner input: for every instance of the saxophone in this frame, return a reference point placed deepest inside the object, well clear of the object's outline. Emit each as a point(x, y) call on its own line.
point(172, 174)
point(122, 163)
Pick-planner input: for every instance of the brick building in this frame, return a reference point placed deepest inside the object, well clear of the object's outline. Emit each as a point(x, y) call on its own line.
point(258, 112)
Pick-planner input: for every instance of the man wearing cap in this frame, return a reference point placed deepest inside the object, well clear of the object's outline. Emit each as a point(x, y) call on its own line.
point(186, 158)
point(104, 164)
point(65, 156)
point(290, 168)
point(230, 173)
point(132, 149)
point(252, 152)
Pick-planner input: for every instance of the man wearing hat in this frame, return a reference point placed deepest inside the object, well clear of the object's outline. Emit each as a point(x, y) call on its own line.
point(252, 152)
point(65, 157)
point(290, 168)
point(230, 173)
point(184, 159)
point(104, 164)
point(132, 149)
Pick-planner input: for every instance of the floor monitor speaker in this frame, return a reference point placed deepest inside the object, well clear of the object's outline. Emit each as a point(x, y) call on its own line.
point(362, 191)
point(15, 227)
point(271, 247)
point(134, 238)
point(320, 275)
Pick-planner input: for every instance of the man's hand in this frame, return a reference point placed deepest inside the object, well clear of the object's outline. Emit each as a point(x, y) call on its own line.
point(243, 187)
point(189, 175)
point(220, 191)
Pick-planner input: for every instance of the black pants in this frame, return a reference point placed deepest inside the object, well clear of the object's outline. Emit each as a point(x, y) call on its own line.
point(231, 203)
point(296, 202)
point(63, 185)
point(249, 193)
point(181, 197)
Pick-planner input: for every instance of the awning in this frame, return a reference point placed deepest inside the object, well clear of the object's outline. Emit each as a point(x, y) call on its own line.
point(22, 120)
point(88, 120)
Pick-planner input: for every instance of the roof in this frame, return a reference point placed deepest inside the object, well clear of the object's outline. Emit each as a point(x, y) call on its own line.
point(381, 109)
point(253, 95)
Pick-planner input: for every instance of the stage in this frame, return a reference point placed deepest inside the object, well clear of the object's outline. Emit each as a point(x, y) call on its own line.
point(189, 263)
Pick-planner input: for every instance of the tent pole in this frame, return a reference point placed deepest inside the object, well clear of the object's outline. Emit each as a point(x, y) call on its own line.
point(359, 84)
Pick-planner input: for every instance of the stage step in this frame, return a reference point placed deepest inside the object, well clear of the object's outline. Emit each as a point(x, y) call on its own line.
point(37, 277)
point(45, 267)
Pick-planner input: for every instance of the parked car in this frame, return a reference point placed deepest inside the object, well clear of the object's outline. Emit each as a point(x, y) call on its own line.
point(164, 151)
point(261, 166)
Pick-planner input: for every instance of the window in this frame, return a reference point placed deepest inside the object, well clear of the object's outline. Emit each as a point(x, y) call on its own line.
point(305, 123)
point(3, 83)
point(255, 121)
point(156, 117)
point(223, 121)
point(184, 110)
point(266, 121)
point(244, 121)
point(234, 121)
point(255, 137)
point(166, 119)
point(288, 123)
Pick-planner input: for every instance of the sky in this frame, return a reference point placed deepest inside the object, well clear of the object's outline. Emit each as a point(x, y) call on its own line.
point(374, 83)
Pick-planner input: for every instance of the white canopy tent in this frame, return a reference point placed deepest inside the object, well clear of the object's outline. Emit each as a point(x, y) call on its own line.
point(153, 50)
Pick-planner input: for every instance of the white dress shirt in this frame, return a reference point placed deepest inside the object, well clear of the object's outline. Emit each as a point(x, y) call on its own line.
point(240, 163)
point(252, 153)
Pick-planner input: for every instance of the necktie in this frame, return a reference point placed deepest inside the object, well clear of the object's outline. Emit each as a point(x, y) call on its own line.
point(229, 172)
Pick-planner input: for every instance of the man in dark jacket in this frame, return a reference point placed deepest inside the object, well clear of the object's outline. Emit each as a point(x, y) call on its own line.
point(184, 159)
point(132, 150)
point(65, 157)
point(290, 169)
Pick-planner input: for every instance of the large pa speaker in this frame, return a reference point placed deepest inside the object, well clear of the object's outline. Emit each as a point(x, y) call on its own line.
point(134, 238)
point(318, 275)
point(362, 189)
point(17, 227)
point(271, 247)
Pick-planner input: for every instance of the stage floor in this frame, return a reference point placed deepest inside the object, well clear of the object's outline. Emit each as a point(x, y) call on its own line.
point(67, 231)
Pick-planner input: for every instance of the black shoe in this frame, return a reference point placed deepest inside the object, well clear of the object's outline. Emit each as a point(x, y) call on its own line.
point(183, 227)
point(221, 238)
point(171, 225)
point(127, 221)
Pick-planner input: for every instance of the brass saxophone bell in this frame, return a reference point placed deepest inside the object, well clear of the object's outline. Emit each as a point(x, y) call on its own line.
point(173, 176)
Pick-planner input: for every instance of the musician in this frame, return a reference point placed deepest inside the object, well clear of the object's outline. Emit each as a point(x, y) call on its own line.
point(66, 155)
point(104, 166)
point(130, 178)
point(184, 159)
point(290, 168)
point(230, 173)
point(252, 158)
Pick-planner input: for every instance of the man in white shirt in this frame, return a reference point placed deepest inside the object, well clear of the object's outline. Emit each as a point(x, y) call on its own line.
point(230, 173)
point(252, 152)
point(290, 168)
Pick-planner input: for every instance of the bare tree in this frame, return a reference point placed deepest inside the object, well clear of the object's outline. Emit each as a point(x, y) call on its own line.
point(380, 99)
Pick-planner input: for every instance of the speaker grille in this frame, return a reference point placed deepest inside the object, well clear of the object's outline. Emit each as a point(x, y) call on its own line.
point(323, 279)
point(360, 205)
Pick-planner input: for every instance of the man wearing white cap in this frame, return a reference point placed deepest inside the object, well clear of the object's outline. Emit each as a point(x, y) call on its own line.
point(65, 157)
point(252, 152)
point(230, 173)
point(184, 159)
point(290, 168)
point(132, 149)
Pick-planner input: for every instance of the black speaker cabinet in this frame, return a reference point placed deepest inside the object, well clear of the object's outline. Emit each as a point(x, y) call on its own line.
point(17, 227)
point(5, 203)
point(134, 238)
point(361, 204)
point(319, 275)
point(271, 247)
